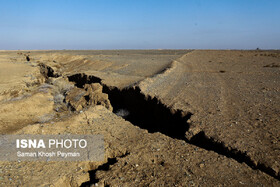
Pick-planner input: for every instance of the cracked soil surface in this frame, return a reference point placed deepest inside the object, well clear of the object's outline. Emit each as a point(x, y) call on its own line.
point(188, 118)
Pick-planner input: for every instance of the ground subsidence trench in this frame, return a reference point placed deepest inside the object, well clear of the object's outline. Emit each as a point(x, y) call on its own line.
point(151, 114)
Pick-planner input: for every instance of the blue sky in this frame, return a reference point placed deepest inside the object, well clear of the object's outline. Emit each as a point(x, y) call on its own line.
point(139, 24)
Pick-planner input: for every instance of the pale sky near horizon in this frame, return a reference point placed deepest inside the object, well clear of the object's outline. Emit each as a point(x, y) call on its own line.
point(139, 24)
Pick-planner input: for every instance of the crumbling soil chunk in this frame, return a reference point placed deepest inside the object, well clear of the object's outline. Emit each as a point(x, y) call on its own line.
point(79, 98)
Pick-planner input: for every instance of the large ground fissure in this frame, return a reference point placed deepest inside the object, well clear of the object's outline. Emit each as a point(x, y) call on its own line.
point(151, 114)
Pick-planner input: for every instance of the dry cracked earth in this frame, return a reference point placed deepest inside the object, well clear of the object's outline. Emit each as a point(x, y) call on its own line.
point(169, 117)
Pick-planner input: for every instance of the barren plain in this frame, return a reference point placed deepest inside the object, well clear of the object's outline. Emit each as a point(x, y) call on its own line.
point(169, 117)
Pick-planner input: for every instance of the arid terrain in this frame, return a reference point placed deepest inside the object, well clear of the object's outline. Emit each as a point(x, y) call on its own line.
point(169, 117)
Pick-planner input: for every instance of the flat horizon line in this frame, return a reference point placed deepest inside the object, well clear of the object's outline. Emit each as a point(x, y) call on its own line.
point(257, 49)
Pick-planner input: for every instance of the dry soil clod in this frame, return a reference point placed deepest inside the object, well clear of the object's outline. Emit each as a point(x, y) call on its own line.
point(79, 98)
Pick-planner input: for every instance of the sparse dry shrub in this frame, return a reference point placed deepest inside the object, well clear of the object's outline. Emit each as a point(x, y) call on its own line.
point(45, 118)
point(58, 98)
point(45, 88)
point(62, 86)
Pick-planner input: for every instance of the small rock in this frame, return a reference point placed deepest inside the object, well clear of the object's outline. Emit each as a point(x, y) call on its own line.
point(201, 165)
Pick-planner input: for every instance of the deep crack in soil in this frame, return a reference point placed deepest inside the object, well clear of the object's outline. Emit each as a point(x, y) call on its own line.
point(103, 167)
point(151, 114)
point(47, 71)
point(202, 141)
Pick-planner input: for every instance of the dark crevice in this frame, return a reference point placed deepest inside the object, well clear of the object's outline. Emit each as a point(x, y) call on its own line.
point(103, 167)
point(202, 141)
point(81, 79)
point(47, 71)
point(144, 111)
point(150, 113)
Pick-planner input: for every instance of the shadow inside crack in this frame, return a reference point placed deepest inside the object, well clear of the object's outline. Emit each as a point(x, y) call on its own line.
point(205, 142)
point(143, 111)
point(103, 167)
point(147, 112)
point(92, 173)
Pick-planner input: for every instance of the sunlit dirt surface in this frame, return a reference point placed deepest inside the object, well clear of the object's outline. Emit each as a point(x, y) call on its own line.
point(169, 117)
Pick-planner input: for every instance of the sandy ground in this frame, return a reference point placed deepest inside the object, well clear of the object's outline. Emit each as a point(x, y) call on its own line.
point(169, 117)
